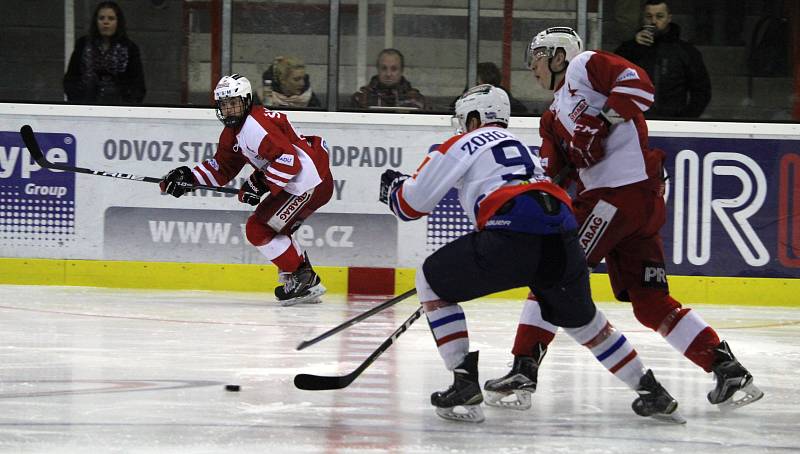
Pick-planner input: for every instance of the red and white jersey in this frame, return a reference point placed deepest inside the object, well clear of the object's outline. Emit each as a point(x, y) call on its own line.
point(595, 79)
point(487, 166)
point(268, 142)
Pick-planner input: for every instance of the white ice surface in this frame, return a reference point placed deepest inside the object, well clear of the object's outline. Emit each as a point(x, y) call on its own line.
point(108, 370)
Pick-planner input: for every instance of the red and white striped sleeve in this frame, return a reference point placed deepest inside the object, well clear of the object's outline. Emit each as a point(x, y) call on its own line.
point(225, 165)
point(627, 86)
point(284, 162)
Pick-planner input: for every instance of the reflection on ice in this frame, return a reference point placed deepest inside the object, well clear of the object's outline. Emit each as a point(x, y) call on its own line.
point(144, 371)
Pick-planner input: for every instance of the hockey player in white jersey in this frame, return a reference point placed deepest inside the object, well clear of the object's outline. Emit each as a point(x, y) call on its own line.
point(525, 237)
point(595, 132)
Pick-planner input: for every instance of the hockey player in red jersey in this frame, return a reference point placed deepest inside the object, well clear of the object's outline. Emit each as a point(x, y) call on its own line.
point(595, 131)
point(526, 236)
point(290, 169)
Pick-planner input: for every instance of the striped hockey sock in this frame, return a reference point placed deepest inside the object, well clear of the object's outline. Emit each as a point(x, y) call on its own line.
point(449, 328)
point(611, 348)
point(689, 334)
point(532, 329)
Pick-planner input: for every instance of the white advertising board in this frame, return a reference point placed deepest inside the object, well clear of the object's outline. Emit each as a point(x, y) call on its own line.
point(48, 214)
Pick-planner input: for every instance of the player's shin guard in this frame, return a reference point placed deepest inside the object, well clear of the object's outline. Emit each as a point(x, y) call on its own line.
point(449, 327)
point(735, 387)
point(681, 327)
point(611, 348)
point(532, 330)
point(462, 400)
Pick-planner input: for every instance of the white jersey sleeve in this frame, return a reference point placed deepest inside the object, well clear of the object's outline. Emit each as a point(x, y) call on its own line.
point(476, 164)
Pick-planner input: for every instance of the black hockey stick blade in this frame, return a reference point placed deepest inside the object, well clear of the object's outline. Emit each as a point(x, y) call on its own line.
point(309, 382)
point(32, 144)
point(357, 318)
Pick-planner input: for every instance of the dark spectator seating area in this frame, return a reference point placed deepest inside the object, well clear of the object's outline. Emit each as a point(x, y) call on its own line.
point(175, 42)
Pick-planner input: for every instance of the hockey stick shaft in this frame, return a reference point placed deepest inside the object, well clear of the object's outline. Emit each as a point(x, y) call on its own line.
point(357, 319)
point(311, 382)
point(33, 148)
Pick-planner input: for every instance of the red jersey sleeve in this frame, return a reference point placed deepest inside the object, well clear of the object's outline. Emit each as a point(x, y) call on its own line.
point(553, 159)
point(627, 86)
point(284, 164)
point(225, 165)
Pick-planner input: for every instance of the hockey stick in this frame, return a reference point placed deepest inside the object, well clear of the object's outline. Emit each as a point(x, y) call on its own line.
point(357, 319)
point(33, 147)
point(311, 382)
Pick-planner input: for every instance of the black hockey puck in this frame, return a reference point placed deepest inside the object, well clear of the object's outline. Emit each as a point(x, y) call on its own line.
point(233, 388)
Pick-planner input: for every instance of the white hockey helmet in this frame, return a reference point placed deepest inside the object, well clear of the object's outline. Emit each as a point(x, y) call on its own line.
point(233, 86)
point(490, 102)
point(548, 41)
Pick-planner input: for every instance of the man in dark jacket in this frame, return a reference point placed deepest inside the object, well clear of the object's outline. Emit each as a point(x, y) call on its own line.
point(389, 88)
point(676, 67)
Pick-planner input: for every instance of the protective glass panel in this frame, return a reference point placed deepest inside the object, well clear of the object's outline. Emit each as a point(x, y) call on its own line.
point(431, 37)
point(282, 48)
point(745, 47)
point(504, 39)
point(725, 60)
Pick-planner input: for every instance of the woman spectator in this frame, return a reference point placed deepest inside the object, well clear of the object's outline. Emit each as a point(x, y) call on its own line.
point(105, 67)
point(290, 85)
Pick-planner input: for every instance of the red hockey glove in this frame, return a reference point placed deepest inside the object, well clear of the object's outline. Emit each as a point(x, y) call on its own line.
point(586, 148)
point(253, 189)
point(178, 181)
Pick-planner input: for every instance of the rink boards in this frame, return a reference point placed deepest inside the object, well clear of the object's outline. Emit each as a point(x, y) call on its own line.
point(732, 233)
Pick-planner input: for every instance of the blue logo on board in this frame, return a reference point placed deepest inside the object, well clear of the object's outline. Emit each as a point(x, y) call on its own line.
point(37, 206)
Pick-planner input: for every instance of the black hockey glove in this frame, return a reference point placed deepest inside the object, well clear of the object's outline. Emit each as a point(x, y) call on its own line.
point(390, 181)
point(254, 188)
point(178, 182)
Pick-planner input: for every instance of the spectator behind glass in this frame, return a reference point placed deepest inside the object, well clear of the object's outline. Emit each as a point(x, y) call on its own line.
point(389, 88)
point(489, 73)
point(676, 67)
point(291, 86)
point(105, 67)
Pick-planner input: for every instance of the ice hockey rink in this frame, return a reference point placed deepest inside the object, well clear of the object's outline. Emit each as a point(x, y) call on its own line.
point(110, 370)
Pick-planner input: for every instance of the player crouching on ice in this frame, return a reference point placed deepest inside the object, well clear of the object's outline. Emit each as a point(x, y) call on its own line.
point(292, 170)
point(526, 236)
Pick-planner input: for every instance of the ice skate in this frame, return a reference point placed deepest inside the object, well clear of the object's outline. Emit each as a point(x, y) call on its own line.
point(735, 386)
point(462, 400)
point(654, 401)
point(514, 390)
point(300, 287)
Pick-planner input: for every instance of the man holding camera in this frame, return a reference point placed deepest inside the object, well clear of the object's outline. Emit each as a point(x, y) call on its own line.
point(676, 67)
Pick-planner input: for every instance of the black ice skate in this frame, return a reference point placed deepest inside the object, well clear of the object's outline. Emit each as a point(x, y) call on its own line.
point(735, 386)
point(301, 286)
point(654, 401)
point(462, 400)
point(515, 388)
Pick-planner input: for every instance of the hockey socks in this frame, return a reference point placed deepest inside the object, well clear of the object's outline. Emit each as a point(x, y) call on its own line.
point(611, 348)
point(532, 329)
point(449, 328)
point(689, 334)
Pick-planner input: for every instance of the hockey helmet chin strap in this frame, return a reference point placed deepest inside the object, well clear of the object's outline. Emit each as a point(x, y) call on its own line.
point(554, 73)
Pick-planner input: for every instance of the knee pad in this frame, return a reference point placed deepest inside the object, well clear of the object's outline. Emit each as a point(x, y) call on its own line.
point(424, 291)
point(651, 307)
point(257, 231)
